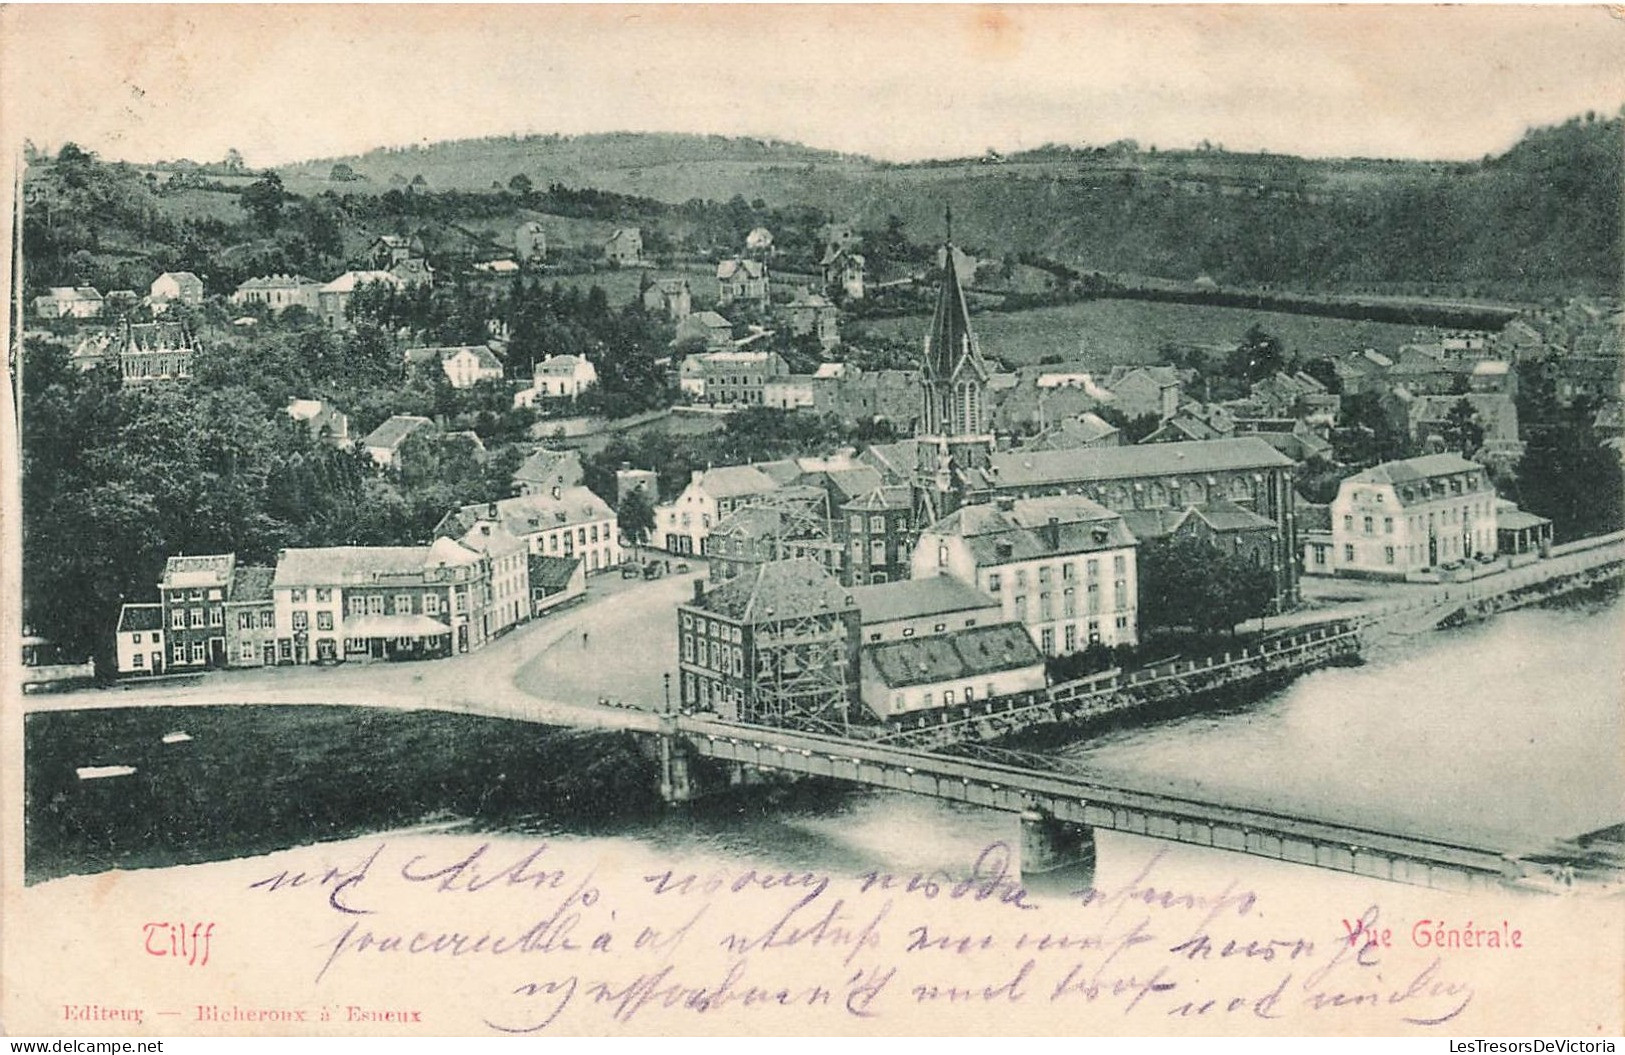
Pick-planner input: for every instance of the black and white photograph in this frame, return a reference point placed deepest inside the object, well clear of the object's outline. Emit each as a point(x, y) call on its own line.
point(851, 520)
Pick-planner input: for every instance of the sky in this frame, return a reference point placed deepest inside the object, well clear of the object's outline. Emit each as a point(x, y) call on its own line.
point(283, 83)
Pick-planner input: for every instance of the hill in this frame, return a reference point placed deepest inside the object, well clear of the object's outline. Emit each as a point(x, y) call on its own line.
point(1541, 219)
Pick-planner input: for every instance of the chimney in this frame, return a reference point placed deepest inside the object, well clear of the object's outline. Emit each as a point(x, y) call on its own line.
point(1004, 504)
point(699, 589)
point(1054, 532)
point(491, 511)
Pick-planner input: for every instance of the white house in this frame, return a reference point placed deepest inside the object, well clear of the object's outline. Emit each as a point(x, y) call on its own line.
point(1063, 566)
point(741, 279)
point(564, 522)
point(383, 443)
point(175, 287)
point(69, 302)
point(141, 639)
point(1406, 516)
point(949, 670)
point(464, 365)
point(279, 292)
point(683, 524)
point(558, 377)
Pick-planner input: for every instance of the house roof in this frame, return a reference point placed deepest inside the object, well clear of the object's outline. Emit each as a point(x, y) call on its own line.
point(1026, 468)
point(854, 482)
point(305, 409)
point(552, 573)
point(897, 462)
point(135, 617)
point(710, 320)
point(1411, 478)
point(1080, 526)
point(830, 371)
point(352, 280)
point(183, 277)
point(361, 565)
point(1070, 432)
point(970, 653)
point(493, 539)
point(751, 269)
point(252, 585)
point(154, 337)
point(393, 432)
point(528, 515)
point(1146, 524)
point(777, 590)
point(544, 466)
point(203, 570)
point(887, 497)
point(918, 598)
point(275, 282)
point(1516, 519)
point(1225, 516)
point(560, 366)
point(805, 299)
point(736, 481)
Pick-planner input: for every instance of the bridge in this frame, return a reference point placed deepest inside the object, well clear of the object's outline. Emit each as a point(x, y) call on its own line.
point(1061, 804)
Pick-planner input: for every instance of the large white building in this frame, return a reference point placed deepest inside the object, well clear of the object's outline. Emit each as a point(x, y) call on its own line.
point(563, 522)
point(1062, 566)
point(558, 377)
point(1408, 516)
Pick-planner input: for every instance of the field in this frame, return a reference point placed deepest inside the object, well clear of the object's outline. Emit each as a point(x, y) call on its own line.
point(1131, 331)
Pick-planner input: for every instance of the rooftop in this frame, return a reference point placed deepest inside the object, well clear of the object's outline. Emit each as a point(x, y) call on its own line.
point(393, 432)
point(203, 570)
point(1030, 528)
point(736, 481)
point(777, 590)
point(362, 565)
point(135, 617)
point(918, 598)
point(969, 653)
point(526, 515)
point(252, 584)
point(1026, 468)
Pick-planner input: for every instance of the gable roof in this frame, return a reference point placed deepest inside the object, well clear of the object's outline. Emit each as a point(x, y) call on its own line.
point(1024, 530)
point(552, 573)
point(350, 281)
point(361, 565)
point(139, 617)
point(1026, 468)
point(776, 590)
point(752, 269)
point(544, 466)
point(251, 585)
point(1225, 516)
point(969, 653)
point(393, 432)
point(212, 569)
point(527, 515)
point(736, 481)
point(918, 598)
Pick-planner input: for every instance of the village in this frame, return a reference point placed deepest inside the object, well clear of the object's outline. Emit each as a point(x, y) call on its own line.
point(976, 531)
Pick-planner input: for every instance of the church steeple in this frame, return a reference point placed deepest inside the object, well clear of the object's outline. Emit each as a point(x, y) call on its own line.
point(953, 374)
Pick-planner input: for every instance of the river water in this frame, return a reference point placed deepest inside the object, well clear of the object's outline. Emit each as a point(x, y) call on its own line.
point(1505, 733)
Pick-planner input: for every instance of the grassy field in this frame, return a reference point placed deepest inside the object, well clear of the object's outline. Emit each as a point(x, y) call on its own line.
point(256, 779)
point(1131, 331)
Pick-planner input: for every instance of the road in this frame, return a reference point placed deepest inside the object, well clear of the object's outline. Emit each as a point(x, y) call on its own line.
point(540, 672)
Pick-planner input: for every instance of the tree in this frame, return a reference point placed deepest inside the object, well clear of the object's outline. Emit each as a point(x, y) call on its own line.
point(520, 185)
point(342, 173)
point(234, 160)
point(1257, 356)
point(1186, 582)
point(636, 516)
point(1461, 430)
point(262, 200)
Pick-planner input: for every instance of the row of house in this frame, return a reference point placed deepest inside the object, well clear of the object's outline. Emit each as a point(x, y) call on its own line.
point(86, 302)
point(490, 568)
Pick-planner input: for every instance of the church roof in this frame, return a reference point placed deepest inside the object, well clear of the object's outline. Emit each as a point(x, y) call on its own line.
point(950, 344)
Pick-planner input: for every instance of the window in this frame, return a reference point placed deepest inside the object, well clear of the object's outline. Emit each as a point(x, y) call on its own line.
point(688, 648)
point(856, 523)
point(1045, 607)
point(1348, 523)
point(1094, 598)
point(214, 593)
point(1069, 571)
point(927, 698)
point(595, 533)
point(942, 554)
point(375, 604)
point(138, 660)
point(431, 604)
point(874, 637)
point(857, 551)
point(948, 698)
point(908, 631)
point(877, 552)
point(301, 620)
point(1387, 525)
point(1069, 603)
point(217, 617)
point(267, 619)
point(324, 620)
point(1093, 569)
point(1366, 525)
point(1047, 641)
point(1021, 609)
point(324, 594)
point(1388, 554)
point(581, 533)
point(403, 604)
point(993, 583)
point(197, 652)
point(284, 649)
point(178, 653)
point(877, 525)
point(194, 595)
point(462, 601)
point(297, 595)
point(1119, 565)
point(245, 651)
point(1044, 575)
point(1071, 637)
point(196, 616)
point(1348, 554)
point(939, 628)
point(177, 618)
point(1021, 578)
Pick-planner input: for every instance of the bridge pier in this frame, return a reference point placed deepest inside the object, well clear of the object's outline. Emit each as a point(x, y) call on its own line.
point(1048, 844)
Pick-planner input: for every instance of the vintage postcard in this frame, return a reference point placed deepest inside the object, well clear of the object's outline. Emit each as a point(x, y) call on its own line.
point(853, 520)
